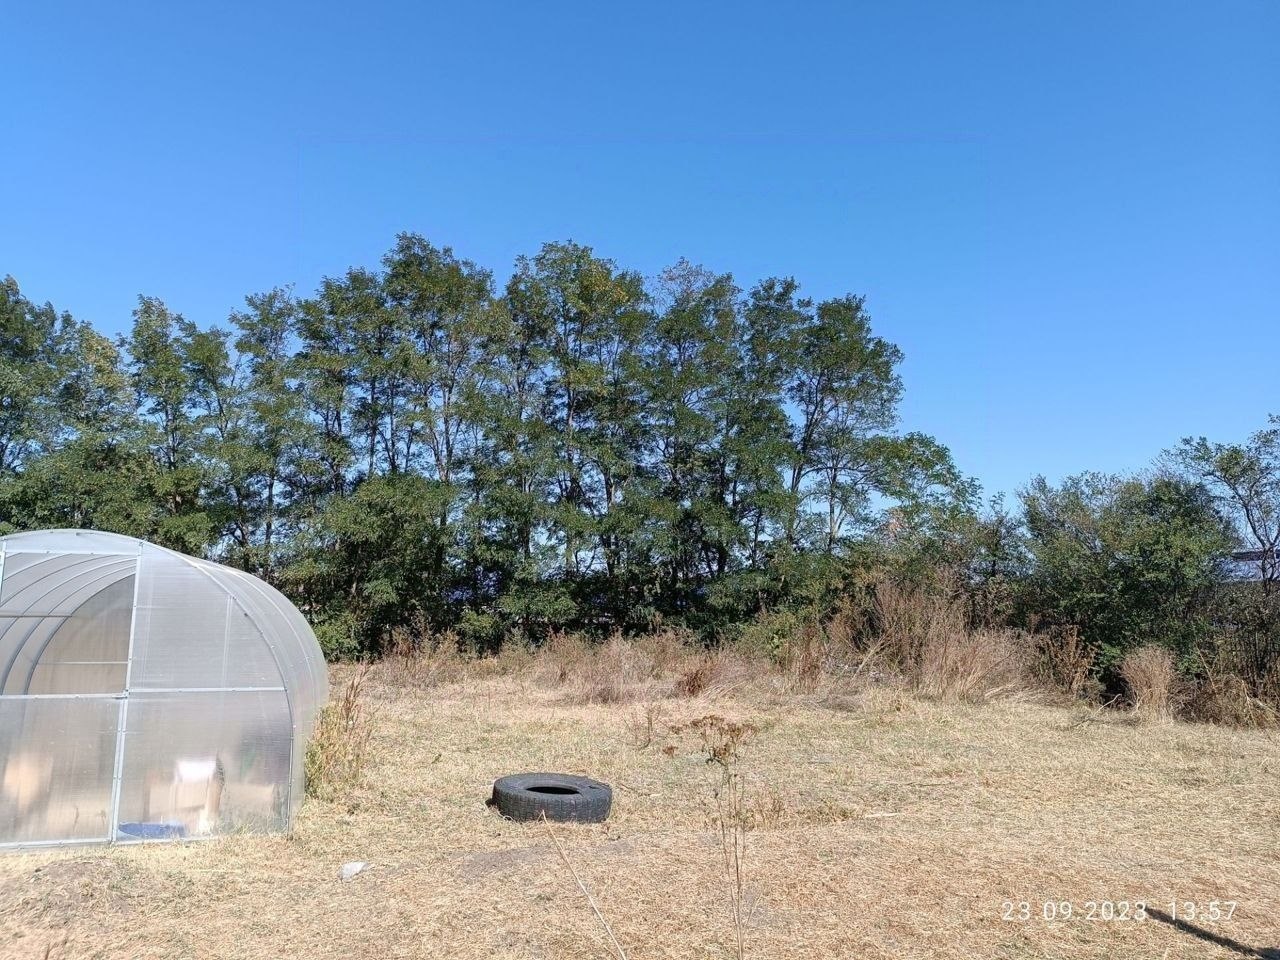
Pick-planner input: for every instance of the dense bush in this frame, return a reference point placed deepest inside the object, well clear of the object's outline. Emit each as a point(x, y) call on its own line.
point(1129, 561)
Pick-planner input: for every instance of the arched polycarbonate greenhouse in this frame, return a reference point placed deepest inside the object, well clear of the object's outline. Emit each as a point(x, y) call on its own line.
point(145, 694)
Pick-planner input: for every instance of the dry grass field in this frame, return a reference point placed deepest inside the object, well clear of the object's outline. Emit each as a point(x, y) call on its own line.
point(879, 825)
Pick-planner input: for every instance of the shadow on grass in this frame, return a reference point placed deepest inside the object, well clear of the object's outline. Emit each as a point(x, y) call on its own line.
point(1264, 953)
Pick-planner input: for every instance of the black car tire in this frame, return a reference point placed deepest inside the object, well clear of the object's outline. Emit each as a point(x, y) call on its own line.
point(561, 797)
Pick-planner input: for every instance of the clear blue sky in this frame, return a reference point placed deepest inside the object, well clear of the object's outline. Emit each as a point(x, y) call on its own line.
point(1067, 214)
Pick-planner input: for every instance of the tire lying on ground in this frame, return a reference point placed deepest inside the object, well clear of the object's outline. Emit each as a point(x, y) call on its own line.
point(563, 798)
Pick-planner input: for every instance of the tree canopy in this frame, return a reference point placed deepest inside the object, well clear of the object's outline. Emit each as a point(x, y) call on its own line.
point(580, 447)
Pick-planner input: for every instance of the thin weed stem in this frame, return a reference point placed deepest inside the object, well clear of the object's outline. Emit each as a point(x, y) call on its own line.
point(591, 901)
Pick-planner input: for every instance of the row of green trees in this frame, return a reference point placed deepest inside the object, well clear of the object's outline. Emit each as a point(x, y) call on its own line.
point(579, 448)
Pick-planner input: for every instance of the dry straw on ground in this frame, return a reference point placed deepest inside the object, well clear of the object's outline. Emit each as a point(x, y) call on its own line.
point(879, 825)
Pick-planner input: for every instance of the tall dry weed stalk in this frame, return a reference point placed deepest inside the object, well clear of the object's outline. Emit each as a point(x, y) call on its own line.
point(612, 672)
point(339, 747)
point(1224, 697)
point(1063, 661)
point(1150, 675)
point(562, 657)
point(419, 658)
point(645, 725)
point(699, 675)
point(723, 742)
point(912, 619)
point(804, 657)
point(973, 667)
point(922, 633)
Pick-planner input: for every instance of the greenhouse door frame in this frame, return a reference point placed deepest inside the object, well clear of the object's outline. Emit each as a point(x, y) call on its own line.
point(122, 716)
point(120, 697)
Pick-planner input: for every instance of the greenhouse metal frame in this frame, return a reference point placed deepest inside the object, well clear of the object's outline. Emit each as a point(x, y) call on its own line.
point(146, 695)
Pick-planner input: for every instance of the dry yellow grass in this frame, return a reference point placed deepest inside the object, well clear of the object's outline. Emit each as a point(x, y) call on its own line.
point(884, 826)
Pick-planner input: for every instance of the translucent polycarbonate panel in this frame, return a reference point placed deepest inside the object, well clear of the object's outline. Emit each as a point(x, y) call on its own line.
point(89, 650)
point(22, 571)
point(297, 650)
point(190, 633)
point(40, 584)
point(301, 658)
point(71, 541)
point(57, 760)
point(39, 593)
point(291, 637)
point(197, 764)
point(312, 654)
